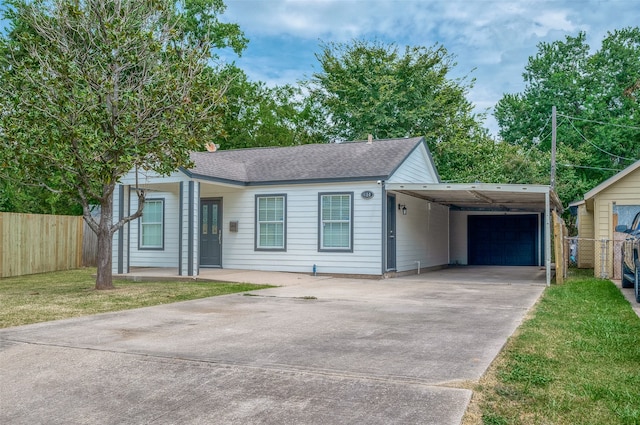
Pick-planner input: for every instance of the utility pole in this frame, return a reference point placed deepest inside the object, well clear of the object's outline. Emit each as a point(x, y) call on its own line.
point(553, 147)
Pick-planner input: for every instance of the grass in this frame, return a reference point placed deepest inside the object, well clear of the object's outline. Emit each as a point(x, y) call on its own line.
point(575, 360)
point(60, 295)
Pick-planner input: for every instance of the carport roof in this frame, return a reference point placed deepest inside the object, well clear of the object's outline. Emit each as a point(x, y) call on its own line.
point(484, 196)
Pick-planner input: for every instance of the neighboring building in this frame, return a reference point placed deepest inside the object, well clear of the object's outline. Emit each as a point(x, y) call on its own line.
point(614, 201)
point(357, 208)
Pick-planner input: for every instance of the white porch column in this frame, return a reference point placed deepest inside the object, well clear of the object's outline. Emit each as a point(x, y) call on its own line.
point(120, 247)
point(192, 221)
point(188, 232)
point(182, 231)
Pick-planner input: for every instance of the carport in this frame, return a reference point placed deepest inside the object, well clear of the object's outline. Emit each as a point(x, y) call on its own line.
point(523, 210)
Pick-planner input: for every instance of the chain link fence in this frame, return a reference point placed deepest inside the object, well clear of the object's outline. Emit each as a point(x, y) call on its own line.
point(601, 255)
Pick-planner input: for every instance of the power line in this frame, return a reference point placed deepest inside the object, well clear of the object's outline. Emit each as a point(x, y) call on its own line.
point(633, 127)
point(597, 147)
point(544, 126)
point(588, 167)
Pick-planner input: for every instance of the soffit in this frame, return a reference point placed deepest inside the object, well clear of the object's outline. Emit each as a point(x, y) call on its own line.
point(482, 196)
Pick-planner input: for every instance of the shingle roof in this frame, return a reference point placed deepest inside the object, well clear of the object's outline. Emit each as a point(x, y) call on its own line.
point(318, 162)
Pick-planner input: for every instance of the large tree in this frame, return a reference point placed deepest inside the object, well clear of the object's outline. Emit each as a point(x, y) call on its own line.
point(596, 98)
point(258, 115)
point(487, 161)
point(92, 89)
point(379, 89)
point(374, 88)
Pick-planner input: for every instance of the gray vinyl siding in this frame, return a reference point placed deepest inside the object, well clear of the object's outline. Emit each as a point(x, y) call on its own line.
point(168, 256)
point(181, 230)
point(175, 252)
point(458, 237)
point(302, 230)
point(422, 235)
point(417, 168)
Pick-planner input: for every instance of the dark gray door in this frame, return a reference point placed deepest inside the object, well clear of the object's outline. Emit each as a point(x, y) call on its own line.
point(210, 233)
point(503, 240)
point(391, 232)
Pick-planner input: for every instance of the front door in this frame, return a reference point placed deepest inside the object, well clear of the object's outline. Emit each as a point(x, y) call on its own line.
point(210, 233)
point(391, 232)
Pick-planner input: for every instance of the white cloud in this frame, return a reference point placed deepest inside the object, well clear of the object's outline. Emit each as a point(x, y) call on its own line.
point(303, 19)
point(552, 21)
point(494, 36)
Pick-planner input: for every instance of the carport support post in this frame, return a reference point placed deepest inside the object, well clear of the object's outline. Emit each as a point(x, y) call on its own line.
point(547, 236)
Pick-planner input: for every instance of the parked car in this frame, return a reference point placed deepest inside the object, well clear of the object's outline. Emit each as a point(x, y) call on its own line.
point(630, 262)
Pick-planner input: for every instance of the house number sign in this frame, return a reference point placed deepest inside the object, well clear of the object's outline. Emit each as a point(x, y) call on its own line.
point(367, 194)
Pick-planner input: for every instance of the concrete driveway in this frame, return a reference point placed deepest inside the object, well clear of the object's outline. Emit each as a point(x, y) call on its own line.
point(319, 351)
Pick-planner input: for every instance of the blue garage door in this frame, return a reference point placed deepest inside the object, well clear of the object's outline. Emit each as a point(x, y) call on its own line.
point(503, 240)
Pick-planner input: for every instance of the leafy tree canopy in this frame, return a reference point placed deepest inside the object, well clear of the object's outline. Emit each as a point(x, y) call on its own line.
point(595, 94)
point(258, 115)
point(92, 89)
point(18, 198)
point(374, 88)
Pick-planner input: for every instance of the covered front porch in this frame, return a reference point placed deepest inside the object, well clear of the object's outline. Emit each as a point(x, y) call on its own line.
point(188, 215)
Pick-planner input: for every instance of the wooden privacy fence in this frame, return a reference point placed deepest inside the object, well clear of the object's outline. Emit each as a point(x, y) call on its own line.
point(33, 243)
point(89, 246)
point(560, 249)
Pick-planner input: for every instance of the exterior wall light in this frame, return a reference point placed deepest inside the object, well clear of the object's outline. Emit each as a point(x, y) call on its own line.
point(402, 207)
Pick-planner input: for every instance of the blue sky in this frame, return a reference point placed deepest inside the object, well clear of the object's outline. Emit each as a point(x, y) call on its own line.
point(491, 39)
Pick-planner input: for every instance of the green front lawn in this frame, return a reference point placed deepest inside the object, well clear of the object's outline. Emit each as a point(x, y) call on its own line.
point(52, 296)
point(576, 360)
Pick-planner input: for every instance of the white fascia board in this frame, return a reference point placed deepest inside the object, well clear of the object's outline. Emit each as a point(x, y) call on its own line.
point(219, 183)
point(611, 180)
point(479, 187)
point(530, 188)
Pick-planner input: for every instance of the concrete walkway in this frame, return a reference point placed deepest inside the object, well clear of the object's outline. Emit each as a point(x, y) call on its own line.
point(455, 274)
point(318, 350)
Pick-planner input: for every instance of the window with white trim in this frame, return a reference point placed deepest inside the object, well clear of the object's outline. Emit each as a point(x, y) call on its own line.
point(152, 225)
point(336, 222)
point(271, 222)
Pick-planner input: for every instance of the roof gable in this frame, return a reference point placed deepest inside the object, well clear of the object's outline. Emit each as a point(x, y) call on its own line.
point(315, 162)
point(612, 180)
point(418, 167)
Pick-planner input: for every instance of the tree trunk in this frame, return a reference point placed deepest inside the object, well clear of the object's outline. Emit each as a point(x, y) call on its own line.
point(104, 279)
